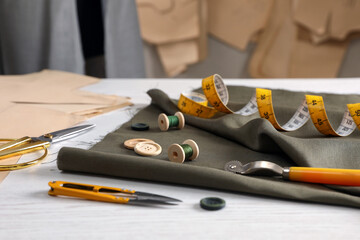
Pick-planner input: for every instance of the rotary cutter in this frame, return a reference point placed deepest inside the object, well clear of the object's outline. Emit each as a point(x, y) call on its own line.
point(348, 177)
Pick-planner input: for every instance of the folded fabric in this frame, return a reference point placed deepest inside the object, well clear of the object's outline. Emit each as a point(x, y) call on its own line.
point(226, 138)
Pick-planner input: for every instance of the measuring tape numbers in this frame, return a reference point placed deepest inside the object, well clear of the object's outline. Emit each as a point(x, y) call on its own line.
point(319, 118)
point(216, 94)
point(195, 104)
point(266, 110)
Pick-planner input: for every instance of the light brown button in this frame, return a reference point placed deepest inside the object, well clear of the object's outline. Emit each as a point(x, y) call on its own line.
point(130, 143)
point(148, 149)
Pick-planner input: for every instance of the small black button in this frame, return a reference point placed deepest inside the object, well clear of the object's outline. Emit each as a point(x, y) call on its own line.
point(140, 126)
point(212, 203)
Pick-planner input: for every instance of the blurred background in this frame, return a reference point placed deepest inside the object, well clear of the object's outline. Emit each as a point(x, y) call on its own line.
point(182, 38)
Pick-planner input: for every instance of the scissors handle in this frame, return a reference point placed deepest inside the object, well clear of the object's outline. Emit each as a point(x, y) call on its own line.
point(14, 142)
point(21, 146)
point(86, 191)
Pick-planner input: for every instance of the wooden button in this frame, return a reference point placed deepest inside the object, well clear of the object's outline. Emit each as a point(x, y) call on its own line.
point(148, 149)
point(130, 143)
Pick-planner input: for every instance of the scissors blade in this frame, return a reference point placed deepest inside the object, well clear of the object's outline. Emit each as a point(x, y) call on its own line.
point(64, 134)
point(154, 198)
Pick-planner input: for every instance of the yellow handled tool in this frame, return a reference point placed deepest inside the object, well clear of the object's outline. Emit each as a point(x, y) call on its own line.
point(346, 177)
point(106, 194)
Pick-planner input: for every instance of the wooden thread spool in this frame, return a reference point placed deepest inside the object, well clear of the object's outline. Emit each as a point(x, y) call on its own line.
point(165, 122)
point(189, 150)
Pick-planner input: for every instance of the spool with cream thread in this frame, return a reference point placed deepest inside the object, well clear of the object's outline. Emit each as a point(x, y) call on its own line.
point(165, 122)
point(179, 153)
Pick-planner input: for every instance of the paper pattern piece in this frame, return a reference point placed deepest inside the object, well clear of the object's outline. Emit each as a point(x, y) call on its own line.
point(37, 103)
point(298, 41)
point(177, 28)
point(272, 55)
point(176, 56)
point(331, 19)
point(166, 21)
point(236, 21)
point(295, 38)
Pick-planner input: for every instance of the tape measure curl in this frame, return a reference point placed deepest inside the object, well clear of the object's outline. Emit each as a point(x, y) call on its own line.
point(216, 94)
point(195, 104)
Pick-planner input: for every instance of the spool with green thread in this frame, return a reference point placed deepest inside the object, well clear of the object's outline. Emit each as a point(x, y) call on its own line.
point(186, 151)
point(173, 121)
point(165, 122)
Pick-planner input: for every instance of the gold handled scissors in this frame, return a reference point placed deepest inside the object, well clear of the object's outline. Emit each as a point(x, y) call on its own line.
point(106, 194)
point(23, 145)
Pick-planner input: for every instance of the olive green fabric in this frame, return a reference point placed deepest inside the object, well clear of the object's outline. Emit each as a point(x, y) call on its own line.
point(226, 138)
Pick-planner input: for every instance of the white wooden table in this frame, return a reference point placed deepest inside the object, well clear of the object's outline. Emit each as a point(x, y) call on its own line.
point(27, 212)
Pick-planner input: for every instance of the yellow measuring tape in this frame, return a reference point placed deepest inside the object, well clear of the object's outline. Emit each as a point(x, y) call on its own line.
point(216, 94)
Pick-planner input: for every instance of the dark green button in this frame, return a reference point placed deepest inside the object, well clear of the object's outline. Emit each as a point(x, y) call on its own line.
point(140, 126)
point(212, 203)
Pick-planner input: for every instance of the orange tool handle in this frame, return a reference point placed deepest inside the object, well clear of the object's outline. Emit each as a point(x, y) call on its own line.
point(58, 188)
point(348, 177)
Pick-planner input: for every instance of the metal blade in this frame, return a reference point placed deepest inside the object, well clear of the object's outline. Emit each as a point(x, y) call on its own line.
point(149, 197)
point(234, 166)
point(147, 202)
point(64, 133)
